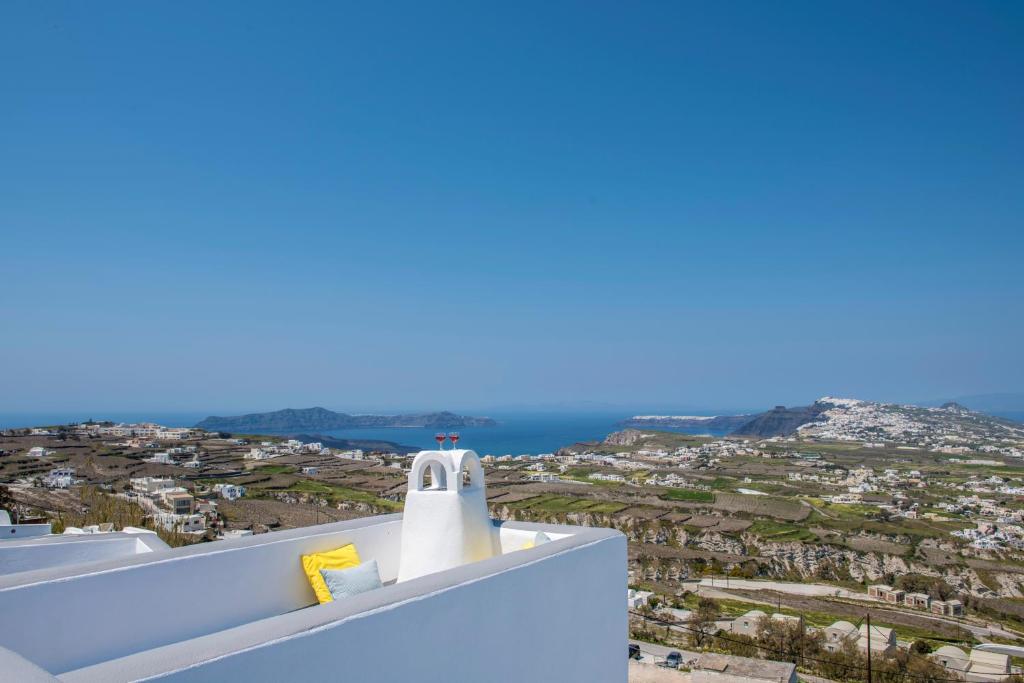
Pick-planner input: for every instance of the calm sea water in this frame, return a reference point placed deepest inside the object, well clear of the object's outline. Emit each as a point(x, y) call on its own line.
point(515, 434)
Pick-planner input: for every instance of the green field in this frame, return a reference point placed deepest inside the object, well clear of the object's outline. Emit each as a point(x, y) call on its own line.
point(553, 503)
point(337, 494)
point(273, 469)
point(689, 495)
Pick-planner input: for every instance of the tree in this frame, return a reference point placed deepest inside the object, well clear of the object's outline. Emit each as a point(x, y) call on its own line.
point(919, 583)
point(786, 639)
point(740, 645)
point(897, 668)
point(702, 622)
point(645, 561)
point(847, 663)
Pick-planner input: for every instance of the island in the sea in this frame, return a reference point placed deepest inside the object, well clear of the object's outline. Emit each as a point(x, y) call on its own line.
point(322, 419)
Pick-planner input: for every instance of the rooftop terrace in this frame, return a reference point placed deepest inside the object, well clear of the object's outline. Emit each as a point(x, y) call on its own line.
point(243, 609)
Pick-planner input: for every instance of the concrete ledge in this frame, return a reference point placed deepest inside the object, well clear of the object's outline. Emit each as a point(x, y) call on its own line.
point(241, 610)
point(14, 667)
point(187, 657)
point(173, 554)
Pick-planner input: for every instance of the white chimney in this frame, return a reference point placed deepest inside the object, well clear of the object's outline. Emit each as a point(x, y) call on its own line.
point(446, 524)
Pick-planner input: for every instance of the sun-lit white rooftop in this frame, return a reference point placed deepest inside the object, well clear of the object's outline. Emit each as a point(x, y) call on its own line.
point(496, 601)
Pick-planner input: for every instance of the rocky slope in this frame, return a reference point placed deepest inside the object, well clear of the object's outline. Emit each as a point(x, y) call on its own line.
point(693, 424)
point(672, 553)
point(780, 421)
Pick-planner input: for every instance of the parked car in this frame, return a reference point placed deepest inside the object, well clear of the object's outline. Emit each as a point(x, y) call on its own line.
point(673, 660)
point(634, 651)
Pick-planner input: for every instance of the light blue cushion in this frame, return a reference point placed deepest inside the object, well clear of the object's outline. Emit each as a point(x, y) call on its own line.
point(344, 583)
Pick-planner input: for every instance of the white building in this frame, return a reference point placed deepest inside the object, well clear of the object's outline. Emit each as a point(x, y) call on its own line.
point(38, 452)
point(192, 523)
point(229, 491)
point(600, 476)
point(243, 610)
point(636, 599)
point(748, 624)
point(60, 478)
point(882, 640)
point(162, 458)
point(74, 547)
point(977, 667)
point(177, 433)
point(151, 485)
point(839, 634)
point(234, 533)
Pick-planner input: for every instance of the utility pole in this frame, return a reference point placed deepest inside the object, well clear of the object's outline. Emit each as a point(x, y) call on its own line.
point(868, 617)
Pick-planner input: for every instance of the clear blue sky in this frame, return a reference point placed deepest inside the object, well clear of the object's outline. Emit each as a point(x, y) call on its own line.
point(370, 206)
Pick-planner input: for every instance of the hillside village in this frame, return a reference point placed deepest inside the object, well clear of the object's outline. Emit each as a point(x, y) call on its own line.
point(929, 539)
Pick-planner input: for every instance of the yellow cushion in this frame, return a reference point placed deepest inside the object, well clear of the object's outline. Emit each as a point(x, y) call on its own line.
point(539, 539)
point(339, 558)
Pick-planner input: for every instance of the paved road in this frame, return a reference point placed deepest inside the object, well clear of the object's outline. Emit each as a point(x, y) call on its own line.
point(649, 673)
point(808, 589)
point(823, 590)
point(652, 653)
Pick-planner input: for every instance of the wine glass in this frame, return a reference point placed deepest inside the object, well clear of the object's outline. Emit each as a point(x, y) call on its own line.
point(454, 438)
point(439, 438)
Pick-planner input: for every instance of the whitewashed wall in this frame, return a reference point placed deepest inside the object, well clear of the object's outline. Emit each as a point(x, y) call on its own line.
point(16, 531)
point(557, 618)
point(234, 611)
point(55, 551)
point(161, 598)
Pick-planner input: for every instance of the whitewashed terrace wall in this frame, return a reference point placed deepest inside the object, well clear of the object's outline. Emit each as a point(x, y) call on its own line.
point(54, 551)
point(64, 621)
point(221, 612)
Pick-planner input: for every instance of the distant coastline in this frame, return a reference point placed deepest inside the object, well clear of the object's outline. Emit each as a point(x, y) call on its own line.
point(321, 419)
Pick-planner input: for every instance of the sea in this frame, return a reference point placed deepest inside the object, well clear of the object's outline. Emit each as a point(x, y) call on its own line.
point(515, 433)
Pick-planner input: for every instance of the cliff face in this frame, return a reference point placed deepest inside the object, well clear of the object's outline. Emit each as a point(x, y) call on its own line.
point(788, 561)
point(717, 424)
point(780, 421)
point(321, 419)
point(627, 437)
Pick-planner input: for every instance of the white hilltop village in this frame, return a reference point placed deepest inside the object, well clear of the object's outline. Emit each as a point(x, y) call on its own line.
point(949, 428)
point(848, 419)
